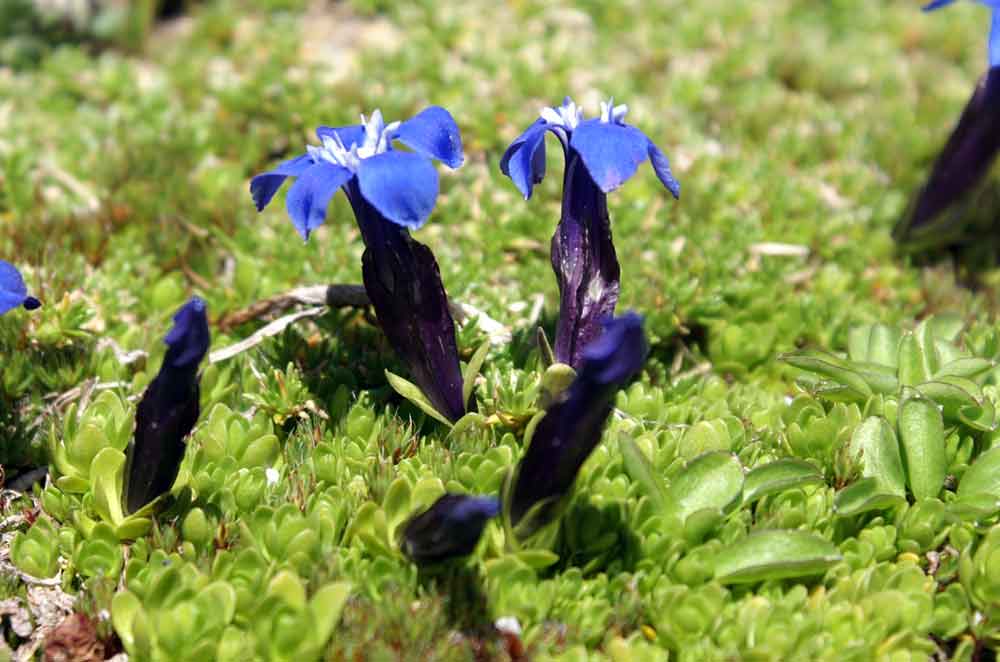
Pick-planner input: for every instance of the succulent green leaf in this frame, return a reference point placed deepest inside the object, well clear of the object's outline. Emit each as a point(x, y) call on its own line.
point(831, 367)
point(639, 469)
point(967, 367)
point(864, 495)
point(326, 606)
point(775, 554)
point(778, 476)
point(472, 369)
point(921, 432)
point(875, 446)
point(983, 477)
point(912, 368)
point(713, 480)
point(412, 392)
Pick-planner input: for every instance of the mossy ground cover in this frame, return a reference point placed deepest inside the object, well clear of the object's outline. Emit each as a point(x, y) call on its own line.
point(799, 131)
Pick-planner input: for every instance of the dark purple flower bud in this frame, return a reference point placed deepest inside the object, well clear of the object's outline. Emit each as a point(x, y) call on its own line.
point(168, 410)
point(572, 427)
point(13, 291)
point(391, 192)
point(962, 164)
point(450, 528)
point(601, 154)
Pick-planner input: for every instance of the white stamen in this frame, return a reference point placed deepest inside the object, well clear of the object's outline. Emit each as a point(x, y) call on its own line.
point(271, 475)
point(610, 113)
point(378, 137)
point(568, 115)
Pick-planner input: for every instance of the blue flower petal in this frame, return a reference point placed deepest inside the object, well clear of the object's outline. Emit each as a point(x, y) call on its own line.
point(264, 186)
point(995, 37)
point(937, 4)
point(611, 152)
point(524, 160)
point(349, 135)
point(433, 133)
point(12, 289)
point(311, 193)
point(662, 168)
point(402, 186)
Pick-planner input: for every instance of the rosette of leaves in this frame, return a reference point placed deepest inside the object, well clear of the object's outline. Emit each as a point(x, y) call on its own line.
point(229, 458)
point(88, 461)
point(927, 412)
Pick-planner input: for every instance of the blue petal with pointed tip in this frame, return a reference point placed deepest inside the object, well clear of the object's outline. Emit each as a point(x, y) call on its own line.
point(995, 38)
point(349, 135)
point(13, 291)
point(311, 193)
point(433, 133)
point(402, 186)
point(661, 166)
point(524, 160)
point(265, 185)
point(611, 152)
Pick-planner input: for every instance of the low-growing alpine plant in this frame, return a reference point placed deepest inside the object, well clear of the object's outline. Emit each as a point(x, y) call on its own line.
point(571, 428)
point(601, 154)
point(391, 192)
point(13, 291)
point(167, 411)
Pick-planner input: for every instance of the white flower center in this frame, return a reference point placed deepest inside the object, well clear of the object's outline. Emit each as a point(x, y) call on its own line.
point(568, 115)
point(377, 140)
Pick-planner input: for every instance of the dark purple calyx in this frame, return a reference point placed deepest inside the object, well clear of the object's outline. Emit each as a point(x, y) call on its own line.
point(584, 261)
point(404, 285)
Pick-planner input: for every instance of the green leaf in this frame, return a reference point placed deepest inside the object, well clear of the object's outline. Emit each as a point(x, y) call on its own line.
point(912, 370)
point(775, 554)
point(778, 476)
point(125, 606)
point(412, 392)
point(831, 367)
point(713, 480)
point(925, 333)
point(537, 559)
point(967, 367)
point(544, 347)
point(921, 431)
point(864, 495)
point(472, 371)
point(106, 474)
point(983, 477)
point(979, 417)
point(396, 503)
point(639, 469)
point(875, 446)
point(953, 394)
point(326, 606)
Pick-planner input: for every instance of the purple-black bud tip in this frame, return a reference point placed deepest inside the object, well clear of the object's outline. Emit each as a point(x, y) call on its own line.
point(189, 339)
point(450, 528)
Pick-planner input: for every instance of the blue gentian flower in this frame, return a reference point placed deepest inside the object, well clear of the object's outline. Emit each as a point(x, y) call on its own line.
point(450, 528)
point(13, 291)
point(601, 154)
point(994, 48)
point(390, 192)
point(168, 410)
point(964, 161)
point(571, 428)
